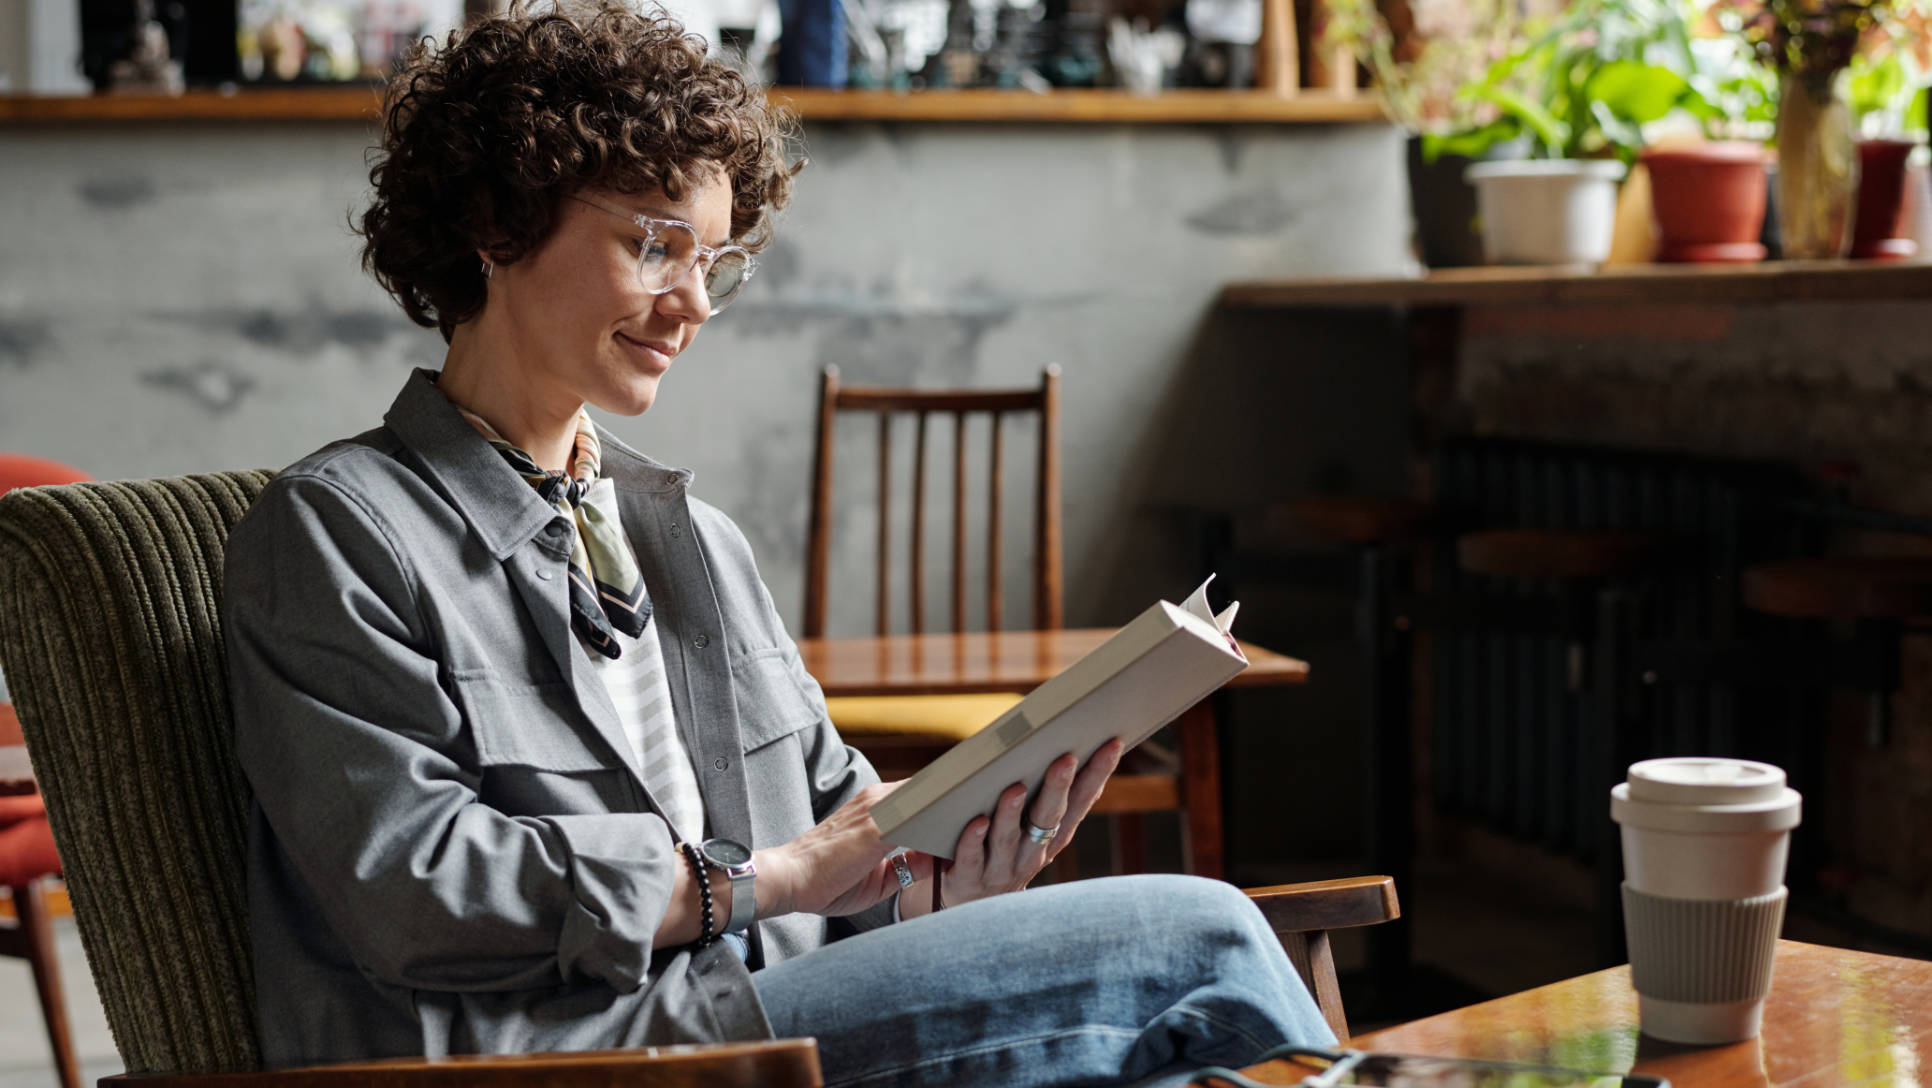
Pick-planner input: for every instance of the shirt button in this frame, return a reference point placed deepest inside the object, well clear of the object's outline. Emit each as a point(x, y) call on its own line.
point(721, 763)
point(676, 528)
point(555, 529)
point(701, 641)
point(543, 573)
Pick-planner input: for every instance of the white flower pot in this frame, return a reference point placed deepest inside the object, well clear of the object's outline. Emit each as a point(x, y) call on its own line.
point(1544, 211)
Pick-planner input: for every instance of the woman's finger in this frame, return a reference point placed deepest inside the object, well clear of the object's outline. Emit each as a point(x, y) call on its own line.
point(1049, 806)
point(1003, 838)
point(969, 855)
point(1085, 791)
point(1093, 778)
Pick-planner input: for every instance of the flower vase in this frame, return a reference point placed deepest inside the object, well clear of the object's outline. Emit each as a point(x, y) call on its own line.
point(1817, 168)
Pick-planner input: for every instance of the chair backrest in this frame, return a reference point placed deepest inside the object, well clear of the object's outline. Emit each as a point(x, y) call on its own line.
point(110, 604)
point(922, 404)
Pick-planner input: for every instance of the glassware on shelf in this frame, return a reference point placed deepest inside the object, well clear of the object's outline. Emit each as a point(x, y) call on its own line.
point(1817, 167)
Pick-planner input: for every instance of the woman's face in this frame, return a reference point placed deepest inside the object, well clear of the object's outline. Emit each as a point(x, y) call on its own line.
point(582, 328)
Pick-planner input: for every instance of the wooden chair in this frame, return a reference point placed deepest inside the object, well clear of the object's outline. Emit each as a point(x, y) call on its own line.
point(28, 861)
point(901, 734)
point(113, 592)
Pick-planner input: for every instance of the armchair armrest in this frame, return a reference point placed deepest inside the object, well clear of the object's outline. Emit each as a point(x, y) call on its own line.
point(1328, 904)
point(1302, 914)
point(779, 1063)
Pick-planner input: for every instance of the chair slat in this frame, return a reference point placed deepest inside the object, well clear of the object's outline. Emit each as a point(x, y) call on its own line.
point(885, 525)
point(993, 528)
point(818, 544)
point(924, 400)
point(918, 526)
point(959, 522)
point(1046, 514)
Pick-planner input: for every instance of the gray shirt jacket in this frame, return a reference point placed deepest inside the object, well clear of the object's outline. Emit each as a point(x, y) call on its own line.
point(451, 849)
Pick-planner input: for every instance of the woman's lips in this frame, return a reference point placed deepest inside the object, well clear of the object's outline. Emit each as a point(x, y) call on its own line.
point(655, 358)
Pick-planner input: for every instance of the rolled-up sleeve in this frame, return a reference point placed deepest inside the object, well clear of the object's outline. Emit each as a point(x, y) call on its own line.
point(366, 774)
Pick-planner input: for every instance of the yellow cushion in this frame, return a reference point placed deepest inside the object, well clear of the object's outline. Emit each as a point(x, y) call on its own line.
point(941, 717)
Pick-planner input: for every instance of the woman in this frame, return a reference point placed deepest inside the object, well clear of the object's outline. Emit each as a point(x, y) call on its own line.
point(535, 765)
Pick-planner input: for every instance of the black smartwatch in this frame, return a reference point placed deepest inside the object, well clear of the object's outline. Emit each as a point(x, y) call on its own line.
point(733, 859)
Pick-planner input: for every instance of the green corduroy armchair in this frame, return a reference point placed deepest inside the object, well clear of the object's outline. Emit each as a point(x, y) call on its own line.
point(110, 637)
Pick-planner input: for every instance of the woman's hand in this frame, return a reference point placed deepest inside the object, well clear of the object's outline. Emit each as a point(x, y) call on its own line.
point(996, 855)
point(838, 867)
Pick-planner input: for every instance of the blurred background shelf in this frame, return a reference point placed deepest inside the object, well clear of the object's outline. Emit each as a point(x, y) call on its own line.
point(1108, 106)
point(1771, 281)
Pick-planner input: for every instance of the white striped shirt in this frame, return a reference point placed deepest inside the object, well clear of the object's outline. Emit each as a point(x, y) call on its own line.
point(638, 689)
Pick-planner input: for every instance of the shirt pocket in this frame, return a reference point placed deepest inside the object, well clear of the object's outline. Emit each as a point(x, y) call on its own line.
point(772, 704)
point(534, 760)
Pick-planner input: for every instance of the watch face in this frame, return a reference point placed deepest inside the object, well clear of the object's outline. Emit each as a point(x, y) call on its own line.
point(727, 853)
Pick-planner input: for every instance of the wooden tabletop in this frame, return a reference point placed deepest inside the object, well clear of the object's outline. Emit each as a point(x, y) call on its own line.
point(1834, 1017)
point(946, 664)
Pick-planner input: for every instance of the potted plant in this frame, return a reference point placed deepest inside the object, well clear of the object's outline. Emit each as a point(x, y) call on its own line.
point(1422, 54)
point(1707, 195)
point(1885, 91)
point(1583, 88)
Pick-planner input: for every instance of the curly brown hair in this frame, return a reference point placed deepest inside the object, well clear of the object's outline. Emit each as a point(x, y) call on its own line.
point(484, 134)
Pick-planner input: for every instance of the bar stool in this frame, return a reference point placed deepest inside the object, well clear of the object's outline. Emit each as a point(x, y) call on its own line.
point(1542, 780)
point(1881, 595)
point(1375, 539)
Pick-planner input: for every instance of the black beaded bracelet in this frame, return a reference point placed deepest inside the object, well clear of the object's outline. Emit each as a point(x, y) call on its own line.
point(707, 935)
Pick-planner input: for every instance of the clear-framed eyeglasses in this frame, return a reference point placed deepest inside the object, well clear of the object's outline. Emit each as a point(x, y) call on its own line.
point(670, 250)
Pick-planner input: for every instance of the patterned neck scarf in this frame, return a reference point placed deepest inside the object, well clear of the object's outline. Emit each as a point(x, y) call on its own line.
point(606, 589)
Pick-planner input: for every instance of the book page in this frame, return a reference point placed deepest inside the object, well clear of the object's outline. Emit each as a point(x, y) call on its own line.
point(1197, 605)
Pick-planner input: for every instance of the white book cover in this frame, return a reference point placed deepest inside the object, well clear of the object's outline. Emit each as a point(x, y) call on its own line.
point(1169, 658)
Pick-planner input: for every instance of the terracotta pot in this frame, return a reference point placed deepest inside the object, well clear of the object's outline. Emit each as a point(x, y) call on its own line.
point(1882, 226)
point(1708, 200)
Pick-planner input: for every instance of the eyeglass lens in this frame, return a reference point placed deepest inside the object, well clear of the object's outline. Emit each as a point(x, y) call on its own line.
point(672, 251)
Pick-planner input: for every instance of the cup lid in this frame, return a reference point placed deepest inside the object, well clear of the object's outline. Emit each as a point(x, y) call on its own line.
point(1704, 780)
point(1705, 794)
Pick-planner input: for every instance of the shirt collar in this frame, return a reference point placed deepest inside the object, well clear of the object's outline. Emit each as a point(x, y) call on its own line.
point(501, 508)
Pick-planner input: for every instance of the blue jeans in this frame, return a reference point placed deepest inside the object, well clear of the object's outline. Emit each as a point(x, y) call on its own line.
point(1113, 981)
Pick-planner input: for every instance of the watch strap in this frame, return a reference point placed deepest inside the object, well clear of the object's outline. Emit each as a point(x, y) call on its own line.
point(744, 900)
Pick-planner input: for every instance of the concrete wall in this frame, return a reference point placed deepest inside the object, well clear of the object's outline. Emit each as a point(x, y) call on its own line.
point(184, 298)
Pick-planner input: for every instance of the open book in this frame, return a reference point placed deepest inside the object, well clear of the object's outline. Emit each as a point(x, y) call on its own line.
point(1166, 660)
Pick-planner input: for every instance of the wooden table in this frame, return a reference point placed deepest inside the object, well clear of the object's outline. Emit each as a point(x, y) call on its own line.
point(1834, 1018)
point(989, 661)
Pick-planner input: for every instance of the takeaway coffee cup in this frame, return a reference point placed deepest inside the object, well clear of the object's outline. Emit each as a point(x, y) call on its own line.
point(1704, 847)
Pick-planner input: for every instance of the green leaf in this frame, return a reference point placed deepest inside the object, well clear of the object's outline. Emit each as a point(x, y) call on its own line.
point(1472, 143)
point(1638, 92)
point(1876, 85)
point(1550, 132)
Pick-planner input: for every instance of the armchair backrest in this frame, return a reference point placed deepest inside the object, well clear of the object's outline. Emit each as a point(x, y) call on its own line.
point(110, 636)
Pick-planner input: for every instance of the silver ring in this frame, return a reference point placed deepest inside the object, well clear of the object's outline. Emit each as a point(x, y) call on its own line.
point(902, 871)
point(1040, 836)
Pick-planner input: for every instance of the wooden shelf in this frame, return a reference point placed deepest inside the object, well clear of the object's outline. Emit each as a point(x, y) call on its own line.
point(1179, 106)
point(359, 103)
point(1772, 281)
